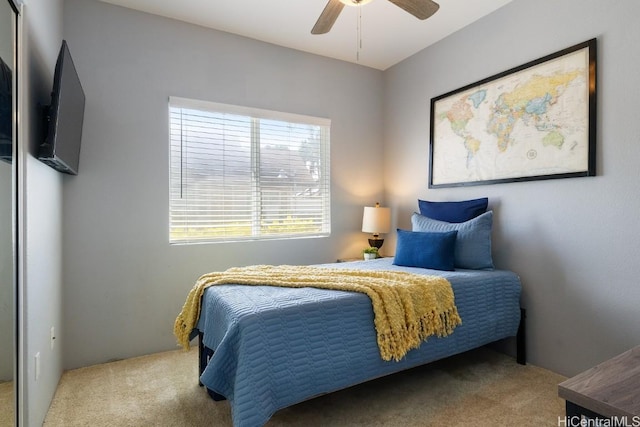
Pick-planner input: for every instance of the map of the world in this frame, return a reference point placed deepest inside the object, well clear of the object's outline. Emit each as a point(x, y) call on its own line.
point(534, 122)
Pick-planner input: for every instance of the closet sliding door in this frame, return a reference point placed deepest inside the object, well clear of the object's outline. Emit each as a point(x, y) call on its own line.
point(9, 163)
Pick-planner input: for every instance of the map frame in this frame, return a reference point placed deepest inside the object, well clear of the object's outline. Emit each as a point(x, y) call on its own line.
point(449, 166)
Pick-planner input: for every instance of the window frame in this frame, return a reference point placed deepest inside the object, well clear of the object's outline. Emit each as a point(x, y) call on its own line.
point(255, 115)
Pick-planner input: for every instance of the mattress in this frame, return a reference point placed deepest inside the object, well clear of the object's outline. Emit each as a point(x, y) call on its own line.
point(274, 347)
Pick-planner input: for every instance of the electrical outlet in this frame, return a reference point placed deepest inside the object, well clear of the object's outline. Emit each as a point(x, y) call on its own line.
point(53, 337)
point(37, 362)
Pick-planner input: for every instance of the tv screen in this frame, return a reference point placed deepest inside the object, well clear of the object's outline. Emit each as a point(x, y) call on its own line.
point(6, 112)
point(61, 148)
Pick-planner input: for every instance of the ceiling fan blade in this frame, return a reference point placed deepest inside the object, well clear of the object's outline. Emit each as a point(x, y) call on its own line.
point(328, 17)
point(421, 9)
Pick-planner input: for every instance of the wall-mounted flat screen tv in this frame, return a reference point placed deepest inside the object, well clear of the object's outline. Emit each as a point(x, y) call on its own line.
point(64, 117)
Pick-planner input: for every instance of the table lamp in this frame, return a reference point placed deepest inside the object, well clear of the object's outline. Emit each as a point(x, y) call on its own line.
point(376, 220)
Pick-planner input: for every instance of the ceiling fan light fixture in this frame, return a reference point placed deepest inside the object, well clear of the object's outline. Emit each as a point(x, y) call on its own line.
point(355, 2)
point(421, 9)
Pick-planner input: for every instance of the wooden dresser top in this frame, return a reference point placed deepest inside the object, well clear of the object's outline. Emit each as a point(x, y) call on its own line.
point(611, 388)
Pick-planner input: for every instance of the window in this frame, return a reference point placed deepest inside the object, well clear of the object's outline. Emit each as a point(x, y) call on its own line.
point(239, 173)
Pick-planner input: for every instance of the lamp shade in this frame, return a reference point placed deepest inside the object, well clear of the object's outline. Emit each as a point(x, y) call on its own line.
point(376, 220)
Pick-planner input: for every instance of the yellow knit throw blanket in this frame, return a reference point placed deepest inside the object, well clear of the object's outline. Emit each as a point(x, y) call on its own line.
point(407, 307)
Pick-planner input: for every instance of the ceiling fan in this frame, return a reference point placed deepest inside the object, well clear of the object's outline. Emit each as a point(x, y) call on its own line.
point(421, 9)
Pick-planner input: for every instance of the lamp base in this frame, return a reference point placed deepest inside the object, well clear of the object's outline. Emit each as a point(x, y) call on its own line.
point(376, 243)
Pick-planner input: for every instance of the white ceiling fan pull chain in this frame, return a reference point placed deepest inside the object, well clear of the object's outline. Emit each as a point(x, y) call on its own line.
point(359, 34)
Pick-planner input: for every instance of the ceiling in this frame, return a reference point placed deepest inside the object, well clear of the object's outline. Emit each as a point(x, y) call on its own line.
point(388, 33)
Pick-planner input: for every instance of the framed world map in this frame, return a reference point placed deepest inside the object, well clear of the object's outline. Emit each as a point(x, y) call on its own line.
point(535, 121)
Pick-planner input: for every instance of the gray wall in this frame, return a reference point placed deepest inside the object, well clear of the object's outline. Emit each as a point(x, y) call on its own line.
point(124, 283)
point(43, 214)
point(574, 242)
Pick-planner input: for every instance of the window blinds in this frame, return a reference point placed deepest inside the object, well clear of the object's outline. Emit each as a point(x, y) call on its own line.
point(239, 173)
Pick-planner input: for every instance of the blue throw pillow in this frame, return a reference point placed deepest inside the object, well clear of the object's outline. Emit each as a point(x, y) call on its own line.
point(473, 243)
point(426, 250)
point(453, 211)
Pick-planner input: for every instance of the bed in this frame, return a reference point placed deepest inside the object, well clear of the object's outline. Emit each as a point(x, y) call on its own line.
point(265, 348)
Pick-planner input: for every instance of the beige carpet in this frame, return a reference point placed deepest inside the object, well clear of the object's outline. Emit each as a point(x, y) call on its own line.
point(478, 388)
point(7, 399)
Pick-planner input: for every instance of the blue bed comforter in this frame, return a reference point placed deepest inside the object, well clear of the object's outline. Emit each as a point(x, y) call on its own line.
point(275, 347)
